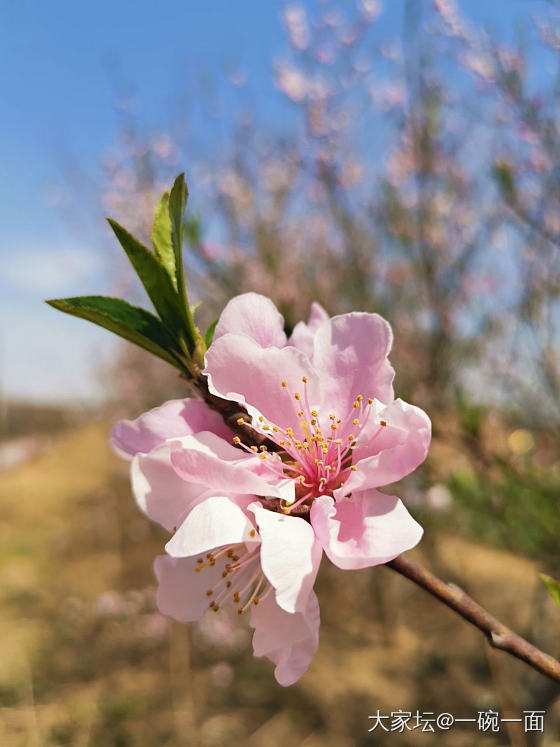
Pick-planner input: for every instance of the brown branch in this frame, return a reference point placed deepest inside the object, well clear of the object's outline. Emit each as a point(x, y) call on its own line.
point(498, 635)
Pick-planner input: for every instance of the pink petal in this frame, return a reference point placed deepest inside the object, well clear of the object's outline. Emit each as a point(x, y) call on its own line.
point(239, 369)
point(289, 640)
point(217, 521)
point(367, 529)
point(159, 491)
point(350, 353)
point(290, 556)
point(255, 316)
point(181, 592)
point(178, 417)
point(206, 459)
point(396, 449)
point(303, 334)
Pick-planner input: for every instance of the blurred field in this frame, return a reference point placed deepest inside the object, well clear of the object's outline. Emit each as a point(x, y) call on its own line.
point(87, 660)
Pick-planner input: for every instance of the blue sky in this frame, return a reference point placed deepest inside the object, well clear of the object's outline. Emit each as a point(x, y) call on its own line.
point(58, 63)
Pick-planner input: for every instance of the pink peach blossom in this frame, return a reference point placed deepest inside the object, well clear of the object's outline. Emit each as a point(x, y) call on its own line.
point(251, 557)
point(324, 398)
point(249, 525)
point(231, 551)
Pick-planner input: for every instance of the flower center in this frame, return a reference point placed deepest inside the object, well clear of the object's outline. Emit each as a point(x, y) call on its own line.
point(317, 450)
point(241, 581)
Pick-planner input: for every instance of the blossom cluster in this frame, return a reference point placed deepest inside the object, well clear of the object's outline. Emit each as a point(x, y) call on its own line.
point(250, 523)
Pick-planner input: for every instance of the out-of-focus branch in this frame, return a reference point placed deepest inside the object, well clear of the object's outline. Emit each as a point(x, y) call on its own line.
point(497, 633)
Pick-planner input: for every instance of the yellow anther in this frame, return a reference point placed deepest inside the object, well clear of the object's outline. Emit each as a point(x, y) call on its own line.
point(254, 448)
point(305, 445)
point(359, 398)
point(281, 442)
point(370, 401)
point(236, 440)
point(263, 448)
point(275, 428)
point(339, 420)
point(256, 600)
point(351, 437)
point(301, 478)
point(355, 421)
point(300, 413)
point(314, 413)
point(284, 384)
point(266, 427)
point(236, 596)
point(297, 396)
point(261, 419)
point(313, 422)
point(354, 468)
point(262, 456)
point(332, 417)
point(200, 560)
point(328, 467)
point(252, 533)
point(355, 405)
point(383, 423)
point(240, 421)
point(304, 379)
point(334, 427)
point(209, 593)
point(325, 450)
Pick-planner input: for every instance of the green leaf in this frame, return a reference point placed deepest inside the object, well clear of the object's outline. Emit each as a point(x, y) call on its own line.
point(553, 586)
point(156, 281)
point(177, 202)
point(161, 238)
point(209, 336)
point(131, 322)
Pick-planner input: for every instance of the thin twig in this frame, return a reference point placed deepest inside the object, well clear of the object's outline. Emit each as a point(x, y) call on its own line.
point(498, 635)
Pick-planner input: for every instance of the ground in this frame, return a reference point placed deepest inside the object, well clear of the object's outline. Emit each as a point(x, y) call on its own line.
point(86, 660)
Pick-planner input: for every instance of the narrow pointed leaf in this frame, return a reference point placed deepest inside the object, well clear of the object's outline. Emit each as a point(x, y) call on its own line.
point(155, 280)
point(177, 202)
point(131, 322)
point(553, 586)
point(209, 336)
point(161, 238)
